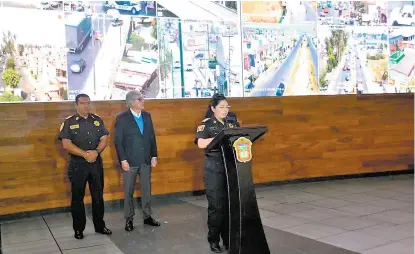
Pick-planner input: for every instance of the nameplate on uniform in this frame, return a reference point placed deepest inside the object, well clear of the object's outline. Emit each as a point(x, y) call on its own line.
point(75, 126)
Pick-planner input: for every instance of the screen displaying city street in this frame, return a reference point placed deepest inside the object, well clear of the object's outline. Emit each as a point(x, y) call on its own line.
point(279, 60)
point(279, 12)
point(32, 60)
point(401, 13)
point(199, 58)
point(402, 60)
point(54, 50)
point(352, 13)
point(353, 60)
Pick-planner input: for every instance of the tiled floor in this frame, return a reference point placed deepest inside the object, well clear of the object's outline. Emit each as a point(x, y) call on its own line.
point(367, 215)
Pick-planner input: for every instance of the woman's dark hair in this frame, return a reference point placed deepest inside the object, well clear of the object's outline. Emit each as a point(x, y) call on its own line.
point(216, 98)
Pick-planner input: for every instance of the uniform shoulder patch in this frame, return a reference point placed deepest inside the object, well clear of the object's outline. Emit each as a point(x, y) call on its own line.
point(205, 120)
point(63, 124)
point(200, 128)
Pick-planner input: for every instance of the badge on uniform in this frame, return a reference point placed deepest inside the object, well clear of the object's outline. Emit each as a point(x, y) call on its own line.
point(200, 128)
point(96, 123)
point(230, 125)
point(75, 126)
point(243, 149)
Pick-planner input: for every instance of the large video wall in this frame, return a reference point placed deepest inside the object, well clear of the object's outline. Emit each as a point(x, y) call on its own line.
point(51, 51)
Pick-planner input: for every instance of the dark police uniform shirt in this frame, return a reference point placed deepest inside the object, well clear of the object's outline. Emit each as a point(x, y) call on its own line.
point(84, 133)
point(210, 127)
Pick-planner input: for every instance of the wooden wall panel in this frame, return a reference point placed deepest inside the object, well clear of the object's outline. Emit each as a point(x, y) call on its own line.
point(309, 136)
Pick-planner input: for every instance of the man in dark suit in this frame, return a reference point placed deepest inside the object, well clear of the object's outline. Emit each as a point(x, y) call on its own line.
point(135, 142)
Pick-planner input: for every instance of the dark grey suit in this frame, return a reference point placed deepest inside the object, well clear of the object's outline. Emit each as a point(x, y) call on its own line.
point(137, 149)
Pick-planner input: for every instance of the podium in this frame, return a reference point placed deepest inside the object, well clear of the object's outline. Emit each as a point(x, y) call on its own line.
point(246, 234)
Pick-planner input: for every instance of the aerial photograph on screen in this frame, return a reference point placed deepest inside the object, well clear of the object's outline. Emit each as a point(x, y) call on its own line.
point(279, 12)
point(32, 61)
point(54, 50)
point(353, 60)
point(111, 54)
point(279, 60)
point(132, 8)
point(401, 13)
point(199, 49)
point(31, 4)
point(402, 59)
point(350, 13)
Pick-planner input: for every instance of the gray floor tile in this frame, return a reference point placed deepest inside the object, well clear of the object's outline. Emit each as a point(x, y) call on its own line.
point(330, 202)
point(56, 220)
point(388, 203)
point(23, 226)
point(37, 247)
point(263, 202)
point(306, 197)
point(407, 209)
point(395, 248)
point(388, 232)
point(201, 203)
point(290, 208)
point(38, 218)
point(90, 240)
point(393, 216)
point(13, 237)
point(351, 223)
point(360, 209)
point(406, 197)
point(405, 189)
point(384, 193)
point(103, 249)
point(408, 241)
point(277, 192)
point(355, 241)
point(266, 214)
point(314, 230)
point(280, 221)
point(319, 214)
point(359, 198)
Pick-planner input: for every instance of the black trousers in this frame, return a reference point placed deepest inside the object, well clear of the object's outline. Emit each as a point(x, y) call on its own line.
point(79, 174)
point(217, 196)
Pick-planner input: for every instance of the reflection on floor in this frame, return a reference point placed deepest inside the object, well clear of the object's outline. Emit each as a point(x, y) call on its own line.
point(368, 215)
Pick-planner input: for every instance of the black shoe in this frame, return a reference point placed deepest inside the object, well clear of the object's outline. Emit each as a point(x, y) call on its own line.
point(79, 235)
point(104, 231)
point(129, 225)
point(215, 247)
point(150, 221)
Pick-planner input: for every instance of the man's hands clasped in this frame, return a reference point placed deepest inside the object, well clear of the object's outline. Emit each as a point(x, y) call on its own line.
point(91, 156)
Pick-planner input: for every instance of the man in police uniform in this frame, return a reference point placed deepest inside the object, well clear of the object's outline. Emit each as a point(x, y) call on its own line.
point(85, 136)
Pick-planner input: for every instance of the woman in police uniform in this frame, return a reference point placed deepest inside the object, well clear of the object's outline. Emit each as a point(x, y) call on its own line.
point(214, 172)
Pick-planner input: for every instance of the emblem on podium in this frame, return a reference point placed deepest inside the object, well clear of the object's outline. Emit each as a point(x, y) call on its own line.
point(243, 149)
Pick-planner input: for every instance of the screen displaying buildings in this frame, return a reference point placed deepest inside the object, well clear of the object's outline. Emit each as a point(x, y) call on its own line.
point(52, 51)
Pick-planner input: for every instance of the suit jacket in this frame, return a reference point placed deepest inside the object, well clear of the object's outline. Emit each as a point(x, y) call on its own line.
point(130, 144)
